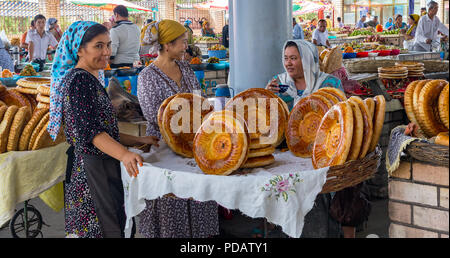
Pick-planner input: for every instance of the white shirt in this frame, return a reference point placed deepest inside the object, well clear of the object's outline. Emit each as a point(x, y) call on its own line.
point(321, 37)
point(125, 42)
point(40, 44)
point(428, 29)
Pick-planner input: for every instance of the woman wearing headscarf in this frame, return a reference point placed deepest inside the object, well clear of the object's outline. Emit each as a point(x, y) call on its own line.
point(207, 31)
point(399, 24)
point(389, 24)
point(303, 75)
point(413, 20)
point(53, 27)
point(6, 62)
point(187, 25)
point(93, 190)
point(166, 76)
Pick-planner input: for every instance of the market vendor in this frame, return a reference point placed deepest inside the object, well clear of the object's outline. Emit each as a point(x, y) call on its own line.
point(38, 41)
point(361, 23)
point(52, 26)
point(93, 190)
point(429, 26)
point(398, 23)
point(170, 217)
point(207, 31)
point(190, 32)
point(303, 75)
point(320, 35)
point(413, 20)
point(6, 61)
point(389, 24)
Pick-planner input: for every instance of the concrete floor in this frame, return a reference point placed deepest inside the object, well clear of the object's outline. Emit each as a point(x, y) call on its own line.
point(239, 227)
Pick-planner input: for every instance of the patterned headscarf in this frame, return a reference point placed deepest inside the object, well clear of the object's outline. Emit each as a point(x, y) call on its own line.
point(49, 23)
point(163, 32)
point(65, 59)
point(416, 19)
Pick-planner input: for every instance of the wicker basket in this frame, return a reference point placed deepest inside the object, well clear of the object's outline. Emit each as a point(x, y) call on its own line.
point(429, 152)
point(352, 172)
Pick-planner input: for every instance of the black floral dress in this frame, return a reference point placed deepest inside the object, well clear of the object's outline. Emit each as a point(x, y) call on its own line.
point(87, 111)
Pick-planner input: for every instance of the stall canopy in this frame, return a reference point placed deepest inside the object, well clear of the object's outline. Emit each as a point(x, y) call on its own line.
point(304, 7)
point(109, 5)
point(213, 4)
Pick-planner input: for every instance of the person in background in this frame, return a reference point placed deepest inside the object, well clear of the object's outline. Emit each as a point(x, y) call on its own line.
point(6, 62)
point(24, 36)
point(226, 34)
point(320, 35)
point(207, 31)
point(389, 24)
point(170, 217)
point(372, 23)
point(125, 39)
point(340, 23)
point(190, 32)
point(428, 29)
point(361, 23)
point(399, 24)
point(329, 22)
point(413, 20)
point(297, 31)
point(313, 24)
point(38, 41)
point(423, 11)
point(52, 26)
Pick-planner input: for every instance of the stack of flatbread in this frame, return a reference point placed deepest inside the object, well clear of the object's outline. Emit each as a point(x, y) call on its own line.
point(43, 96)
point(22, 130)
point(415, 69)
point(29, 88)
point(10, 97)
point(393, 72)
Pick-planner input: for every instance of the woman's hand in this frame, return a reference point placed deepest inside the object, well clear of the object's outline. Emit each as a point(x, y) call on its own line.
point(273, 86)
point(130, 161)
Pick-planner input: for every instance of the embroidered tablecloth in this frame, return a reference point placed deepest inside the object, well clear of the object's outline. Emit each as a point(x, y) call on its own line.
point(283, 192)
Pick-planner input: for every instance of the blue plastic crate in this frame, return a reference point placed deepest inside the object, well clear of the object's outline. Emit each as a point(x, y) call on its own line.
point(221, 54)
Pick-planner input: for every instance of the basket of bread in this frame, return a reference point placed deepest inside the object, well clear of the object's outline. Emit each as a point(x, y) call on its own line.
point(427, 107)
point(326, 127)
point(24, 117)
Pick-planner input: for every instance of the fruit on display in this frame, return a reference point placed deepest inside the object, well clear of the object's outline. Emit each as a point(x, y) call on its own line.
point(213, 60)
point(196, 60)
point(217, 47)
point(379, 28)
point(391, 32)
point(28, 70)
point(348, 49)
point(7, 73)
point(209, 39)
point(362, 32)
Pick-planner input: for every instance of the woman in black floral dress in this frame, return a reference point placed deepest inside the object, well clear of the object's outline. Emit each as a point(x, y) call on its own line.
point(93, 190)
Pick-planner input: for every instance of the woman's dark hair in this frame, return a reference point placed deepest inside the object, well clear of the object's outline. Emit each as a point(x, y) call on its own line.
point(339, 19)
point(291, 44)
point(39, 17)
point(93, 32)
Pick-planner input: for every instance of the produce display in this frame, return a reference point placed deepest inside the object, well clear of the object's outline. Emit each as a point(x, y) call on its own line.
point(208, 39)
point(217, 47)
point(426, 104)
point(196, 60)
point(213, 60)
point(28, 70)
point(6, 73)
point(362, 32)
point(391, 32)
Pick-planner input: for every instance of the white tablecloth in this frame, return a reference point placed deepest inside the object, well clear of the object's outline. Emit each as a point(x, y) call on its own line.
point(283, 192)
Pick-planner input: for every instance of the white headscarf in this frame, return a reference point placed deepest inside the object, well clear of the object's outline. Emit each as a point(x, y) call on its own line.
point(314, 78)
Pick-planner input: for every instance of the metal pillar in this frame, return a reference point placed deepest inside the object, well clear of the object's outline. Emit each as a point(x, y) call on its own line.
point(258, 31)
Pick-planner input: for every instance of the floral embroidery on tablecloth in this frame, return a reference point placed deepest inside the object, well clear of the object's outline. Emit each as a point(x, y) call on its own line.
point(168, 174)
point(280, 186)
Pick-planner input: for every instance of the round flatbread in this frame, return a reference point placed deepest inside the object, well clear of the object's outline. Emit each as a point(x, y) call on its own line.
point(416, 94)
point(221, 144)
point(42, 123)
point(334, 137)
point(21, 118)
point(259, 162)
point(41, 105)
point(33, 82)
point(13, 97)
point(3, 103)
point(44, 90)
point(33, 101)
point(161, 109)
point(367, 125)
point(3, 109)
point(358, 130)
point(261, 152)
point(256, 144)
point(443, 106)
point(393, 69)
point(378, 121)
point(29, 128)
point(409, 64)
point(181, 120)
point(408, 103)
point(331, 98)
point(442, 139)
point(370, 104)
point(255, 106)
point(44, 140)
point(5, 127)
point(428, 108)
point(26, 90)
point(303, 123)
point(43, 99)
point(334, 91)
point(332, 60)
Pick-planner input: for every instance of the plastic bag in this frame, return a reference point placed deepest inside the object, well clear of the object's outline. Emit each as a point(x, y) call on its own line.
point(5, 39)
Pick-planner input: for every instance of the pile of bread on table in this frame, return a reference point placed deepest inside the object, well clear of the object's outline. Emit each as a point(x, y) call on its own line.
point(24, 116)
point(324, 126)
point(426, 105)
